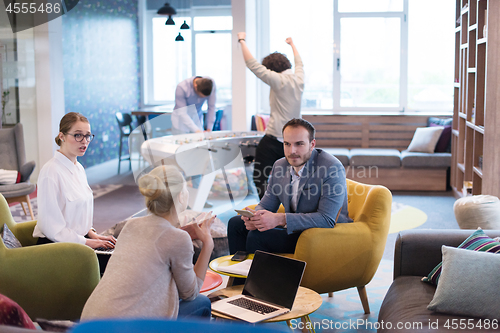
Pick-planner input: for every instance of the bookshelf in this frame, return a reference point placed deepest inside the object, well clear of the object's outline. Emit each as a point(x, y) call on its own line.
point(476, 114)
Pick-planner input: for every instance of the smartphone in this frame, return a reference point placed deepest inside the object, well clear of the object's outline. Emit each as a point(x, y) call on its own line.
point(217, 298)
point(239, 256)
point(243, 212)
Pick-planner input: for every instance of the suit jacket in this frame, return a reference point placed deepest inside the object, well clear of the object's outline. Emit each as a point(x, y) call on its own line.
point(322, 193)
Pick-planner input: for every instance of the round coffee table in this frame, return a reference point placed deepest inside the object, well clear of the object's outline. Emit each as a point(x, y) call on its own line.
point(306, 302)
point(224, 262)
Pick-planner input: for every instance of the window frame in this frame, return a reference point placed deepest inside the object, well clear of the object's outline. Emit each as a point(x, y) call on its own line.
point(263, 49)
point(147, 95)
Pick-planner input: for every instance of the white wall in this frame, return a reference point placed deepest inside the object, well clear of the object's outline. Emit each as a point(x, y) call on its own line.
point(244, 82)
point(49, 89)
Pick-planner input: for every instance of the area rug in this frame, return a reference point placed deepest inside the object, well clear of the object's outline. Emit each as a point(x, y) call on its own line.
point(405, 217)
point(343, 312)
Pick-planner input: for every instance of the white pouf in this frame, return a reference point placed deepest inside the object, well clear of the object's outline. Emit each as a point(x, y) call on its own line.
point(478, 211)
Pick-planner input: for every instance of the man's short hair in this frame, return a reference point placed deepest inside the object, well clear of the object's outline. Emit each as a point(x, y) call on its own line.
point(204, 86)
point(299, 122)
point(276, 62)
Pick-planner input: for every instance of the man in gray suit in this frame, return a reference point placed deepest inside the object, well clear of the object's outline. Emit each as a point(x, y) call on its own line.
point(308, 182)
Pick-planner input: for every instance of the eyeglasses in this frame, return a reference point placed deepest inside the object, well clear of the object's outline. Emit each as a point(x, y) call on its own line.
point(79, 137)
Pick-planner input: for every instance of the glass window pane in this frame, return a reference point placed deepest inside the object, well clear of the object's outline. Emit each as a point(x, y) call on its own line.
point(206, 23)
point(371, 6)
point(171, 59)
point(312, 32)
point(431, 40)
point(217, 65)
point(369, 62)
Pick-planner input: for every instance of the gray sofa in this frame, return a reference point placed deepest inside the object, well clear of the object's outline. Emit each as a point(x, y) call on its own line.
point(397, 170)
point(416, 253)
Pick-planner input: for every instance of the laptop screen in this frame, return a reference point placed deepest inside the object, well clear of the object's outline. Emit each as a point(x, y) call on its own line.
point(274, 278)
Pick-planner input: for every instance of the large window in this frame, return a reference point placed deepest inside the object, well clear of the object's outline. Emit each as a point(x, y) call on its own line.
point(205, 51)
point(368, 55)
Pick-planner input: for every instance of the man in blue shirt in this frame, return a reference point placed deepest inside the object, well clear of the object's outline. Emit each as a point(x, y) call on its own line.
point(194, 91)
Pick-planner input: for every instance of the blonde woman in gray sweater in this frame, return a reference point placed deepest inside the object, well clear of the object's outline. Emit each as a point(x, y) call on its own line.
point(150, 273)
point(284, 101)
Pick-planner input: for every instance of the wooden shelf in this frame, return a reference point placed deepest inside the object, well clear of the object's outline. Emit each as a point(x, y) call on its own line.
point(477, 128)
point(476, 135)
point(478, 172)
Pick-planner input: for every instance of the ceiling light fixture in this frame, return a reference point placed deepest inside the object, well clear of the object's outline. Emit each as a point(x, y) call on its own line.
point(167, 10)
point(179, 38)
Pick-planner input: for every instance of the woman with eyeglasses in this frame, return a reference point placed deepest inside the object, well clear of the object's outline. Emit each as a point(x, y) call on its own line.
point(65, 200)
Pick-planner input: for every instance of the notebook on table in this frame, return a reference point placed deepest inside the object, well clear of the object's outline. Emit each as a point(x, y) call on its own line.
point(269, 291)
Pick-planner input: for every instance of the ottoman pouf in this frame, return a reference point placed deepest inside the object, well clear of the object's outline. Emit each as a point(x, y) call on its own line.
point(478, 211)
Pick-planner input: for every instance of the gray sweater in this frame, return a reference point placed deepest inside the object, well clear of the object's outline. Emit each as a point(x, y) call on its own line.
point(150, 269)
point(286, 93)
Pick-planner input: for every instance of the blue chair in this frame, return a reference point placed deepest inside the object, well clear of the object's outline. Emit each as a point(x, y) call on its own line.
point(161, 326)
point(218, 118)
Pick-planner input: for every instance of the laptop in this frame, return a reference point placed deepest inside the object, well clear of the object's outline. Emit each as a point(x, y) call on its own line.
point(269, 291)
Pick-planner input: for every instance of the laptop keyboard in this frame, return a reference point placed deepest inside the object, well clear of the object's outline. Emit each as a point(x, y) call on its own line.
point(253, 306)
point(103, 250)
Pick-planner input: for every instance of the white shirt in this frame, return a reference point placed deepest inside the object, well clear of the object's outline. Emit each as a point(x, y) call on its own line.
point(285, 97)
point(185, 120)
point(65, 201)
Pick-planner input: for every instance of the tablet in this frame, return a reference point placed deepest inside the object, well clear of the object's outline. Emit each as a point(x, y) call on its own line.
point(245, 213)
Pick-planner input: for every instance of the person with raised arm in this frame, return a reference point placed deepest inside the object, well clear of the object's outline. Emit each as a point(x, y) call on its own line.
point(285, 100)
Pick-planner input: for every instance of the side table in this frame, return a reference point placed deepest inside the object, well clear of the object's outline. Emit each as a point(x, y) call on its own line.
point(223, 262)
point(306, 302)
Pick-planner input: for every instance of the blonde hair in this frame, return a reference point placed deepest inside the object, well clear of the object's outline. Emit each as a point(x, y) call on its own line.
point(67, 122)
point(160, 187)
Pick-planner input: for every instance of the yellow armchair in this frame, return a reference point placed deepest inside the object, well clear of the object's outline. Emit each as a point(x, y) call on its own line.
point(348, 255)
point(50, 281)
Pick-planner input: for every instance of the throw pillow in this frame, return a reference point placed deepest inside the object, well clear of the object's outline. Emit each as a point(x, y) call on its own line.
point(442, 122)
point(12, 314)
point(478, 241)
point(444, 139)
point(9, 239)
point(425, 139)
point(9, 177)
point(468, 284)
point(439, 121)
